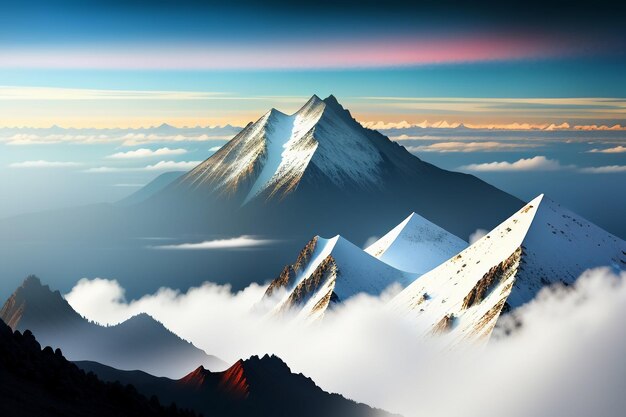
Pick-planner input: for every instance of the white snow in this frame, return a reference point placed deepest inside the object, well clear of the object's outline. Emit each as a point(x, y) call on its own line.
point(357, 272)
point(416, 245)
point(278, 132)
point(556, 246)
point(283, 146)
point(559, 247)
point(441, 292)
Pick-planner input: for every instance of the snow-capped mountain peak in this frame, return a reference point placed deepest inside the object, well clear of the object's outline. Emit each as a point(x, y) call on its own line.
point(416, 245)
point(271, 156)
point(329, 271)
point(540, 245)
point(463, 297)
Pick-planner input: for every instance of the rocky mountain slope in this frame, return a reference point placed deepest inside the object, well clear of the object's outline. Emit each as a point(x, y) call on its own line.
point(329, 271)
point(254, 387)
point(138, 343)
point(42, 383)
point(540, 245)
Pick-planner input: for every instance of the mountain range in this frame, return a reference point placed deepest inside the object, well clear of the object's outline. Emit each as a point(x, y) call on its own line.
point(36, 382)
point(454, 290)
point(319, 169)
point(42, 382)
point(543, 244)
point(258, 386)
point(283, 178)
point(329, 271)
point(138, 343)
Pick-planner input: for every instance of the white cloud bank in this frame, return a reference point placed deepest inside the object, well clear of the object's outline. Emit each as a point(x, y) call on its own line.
point(615, 149)
point(147, 153)
point(44, 164)
point(485, 146)
point(565, 359)
point(231, 243)
point(536, 163)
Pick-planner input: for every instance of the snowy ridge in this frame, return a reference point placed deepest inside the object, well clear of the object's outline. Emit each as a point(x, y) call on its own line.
point(416, 245)
point(271, 156)
point(559, 246)
point(463, 297)
point(540, 245)
point(336, 271)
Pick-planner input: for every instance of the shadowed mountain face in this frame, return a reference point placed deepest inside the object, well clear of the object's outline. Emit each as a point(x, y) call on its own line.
point(138, 343)
point(284, 177)
point(256, 386)
point(320, 171)
point(41, 383)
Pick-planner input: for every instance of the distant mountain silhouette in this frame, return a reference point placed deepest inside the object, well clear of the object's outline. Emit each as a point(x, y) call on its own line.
point(42, 383)
point(253, 387)
point(151, 188)
point(138, 343)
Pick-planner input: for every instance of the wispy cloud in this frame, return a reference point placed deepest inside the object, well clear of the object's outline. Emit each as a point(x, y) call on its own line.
point(147, 153)
point(172, 165)
point(616, 149)
point(485, 146)
point(159, 166)
point(609, 169)
point(70, 94)
point(231, 243)
point(537, 163)
point(215, 149)
point(44, 164)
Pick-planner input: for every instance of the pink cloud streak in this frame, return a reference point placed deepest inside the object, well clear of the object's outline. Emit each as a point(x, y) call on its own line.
point(355, 54)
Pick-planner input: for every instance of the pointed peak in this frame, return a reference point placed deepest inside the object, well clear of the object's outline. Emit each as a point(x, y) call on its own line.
point(32, 281)
point(331, 100)
point(312, 104)
point(196, 377)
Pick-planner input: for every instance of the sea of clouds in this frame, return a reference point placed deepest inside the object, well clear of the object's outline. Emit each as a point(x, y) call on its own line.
point(560, 355)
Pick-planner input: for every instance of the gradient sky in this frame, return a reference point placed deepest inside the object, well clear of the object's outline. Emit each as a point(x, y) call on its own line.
point(226, 62)
point(558, 67)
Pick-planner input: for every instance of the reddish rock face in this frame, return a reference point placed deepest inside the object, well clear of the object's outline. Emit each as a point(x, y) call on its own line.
point(233, 382)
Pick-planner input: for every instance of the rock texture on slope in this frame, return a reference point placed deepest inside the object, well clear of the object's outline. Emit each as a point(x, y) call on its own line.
point(332, 270)
point(540, 245)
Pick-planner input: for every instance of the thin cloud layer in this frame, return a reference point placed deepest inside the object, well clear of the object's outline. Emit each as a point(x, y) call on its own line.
point(147, 153)
point(562, 354)
point(159, 166)
point(484, 146)
point(232, 243)
point(609, 169)
point(537, 163)
point(616, 149)
point(44, 164)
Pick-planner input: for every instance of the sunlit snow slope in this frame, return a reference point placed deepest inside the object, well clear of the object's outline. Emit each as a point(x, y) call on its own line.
point(416, 245)
point(541, 244)
point(329, 271)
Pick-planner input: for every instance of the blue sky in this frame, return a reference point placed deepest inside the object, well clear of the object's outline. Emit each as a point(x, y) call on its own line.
point(519, 69)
